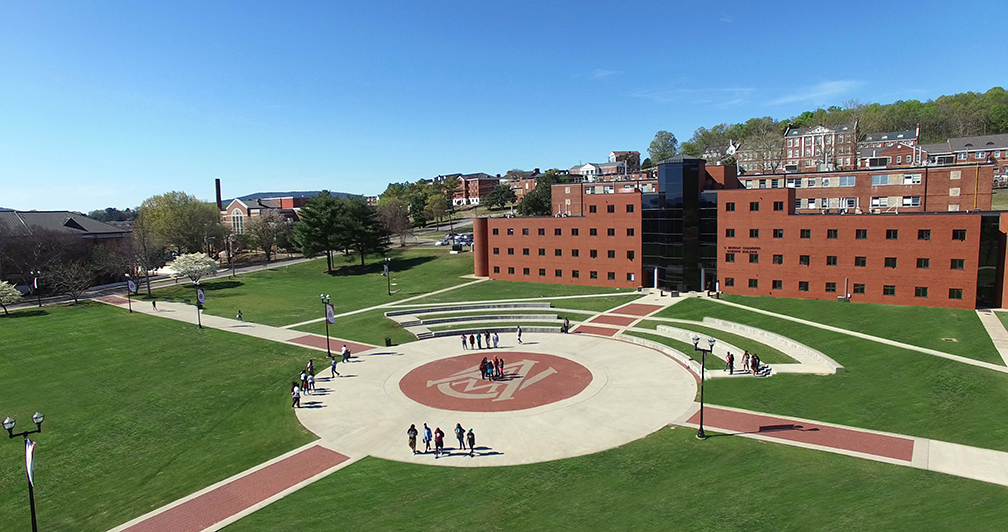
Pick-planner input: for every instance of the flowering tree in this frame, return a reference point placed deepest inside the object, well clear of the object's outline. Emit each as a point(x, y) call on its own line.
point(194, 266)
point(8, 295)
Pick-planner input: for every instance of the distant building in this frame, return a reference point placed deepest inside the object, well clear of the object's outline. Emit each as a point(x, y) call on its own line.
point(472, 188)
point(289, 204)
point(820, 148)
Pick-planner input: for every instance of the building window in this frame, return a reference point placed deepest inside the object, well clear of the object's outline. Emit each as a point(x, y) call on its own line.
point(729, 281)
point(754, 233)
point(958, 264)
point(778, 205)
point(525, 232)
point(510, 251)
point(729, 233)
point(858, 288)
point(511, 270)
point(881, 179)
point(846, 180)
point(495, 231)
point(955, 293)
point(593, 253)
point(542, 272)
point(574, 231)
point(777, 284)
point(911, 179)
point(729, 257)
point(729, 207)
point(891, 234)
point(890, 262)
point(542, 252)
point(778, 259)
point(525, 251)
point(831, 260)
point(610, 209)
point(958, 234)
point(630, 254)
point(525, 271)
point(803, 260)
point(575, 252)
point(860, 262)
point(806, 233)
point(611, 276)
point(237, 219)
point(753, 206)
point(803, 286)
point(496, 251)
point(593, 232)
point(753, 283)
point(923, 264)
point(920, 291)
point(861, 234)
point(797, 203)
point(496, 269)
point(889, 290)
point(558, 253)
point(911, 201)
point(831, 287)
point(778, 233)
point(557, 273)
point(831, 233)
point(923, 234)
point(542, 231)
point(510, 231)
point(558, 232)
point(591, 209)
point(630, 277)
point(611, 254)
point(611, 232)
point(629, 207)
point(754, 258)
point(630, 231)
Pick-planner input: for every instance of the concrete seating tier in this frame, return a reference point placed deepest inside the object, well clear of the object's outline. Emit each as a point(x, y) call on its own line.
point(683, 358)
point(458, 308)
point(798, 351)
point(498, 330)
point(494, 317)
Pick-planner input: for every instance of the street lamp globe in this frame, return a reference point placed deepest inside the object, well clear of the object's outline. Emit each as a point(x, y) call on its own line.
point(37, 418)
point(696, 341)
point(8, 423)
point(711, 342)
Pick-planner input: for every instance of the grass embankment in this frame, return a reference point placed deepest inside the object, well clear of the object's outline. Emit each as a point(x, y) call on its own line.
point(882, 387)
point(140, 411)
point(766, 353)
point(491, 325)
point(291, 294)
point(919, 326)
point(713, 362)
point(496, 290)
point(667, 481)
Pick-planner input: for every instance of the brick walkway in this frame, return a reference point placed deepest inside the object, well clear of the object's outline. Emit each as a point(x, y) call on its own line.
point(214, 506)
point(335, 344)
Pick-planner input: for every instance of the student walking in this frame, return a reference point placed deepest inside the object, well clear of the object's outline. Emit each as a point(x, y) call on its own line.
point(311, 382)
point(295, 396)
point(154, 304)
point(304, 382)
point(332, 368)
point(310, 367)
point(486, 338)
point(438, 442)
point(496, 339)
point(519, 334)
point(411, 434)
point(239, 316)
point(472, 441)
point(345, 352)
point(730, 365)
point(464, 342)
point(426, 438)
point(479, 341)
point(472, 342)
point(460, 434)
point(745, 361)
point(502, 367)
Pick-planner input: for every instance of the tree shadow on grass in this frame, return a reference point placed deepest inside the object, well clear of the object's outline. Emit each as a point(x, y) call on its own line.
point(398, 265)
point(24, 314)
point(220, 285)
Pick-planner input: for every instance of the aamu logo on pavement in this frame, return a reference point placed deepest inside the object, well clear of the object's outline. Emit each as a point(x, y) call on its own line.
point(530, 380)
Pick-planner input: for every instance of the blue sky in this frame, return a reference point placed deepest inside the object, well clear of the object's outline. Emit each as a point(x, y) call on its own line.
point(107, 104)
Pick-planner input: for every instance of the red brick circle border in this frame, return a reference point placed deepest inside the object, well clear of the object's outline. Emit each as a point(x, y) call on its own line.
point(530, 380)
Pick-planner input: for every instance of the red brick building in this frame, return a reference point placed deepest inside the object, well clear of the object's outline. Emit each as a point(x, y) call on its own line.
point(601, 247)
point(932, 259)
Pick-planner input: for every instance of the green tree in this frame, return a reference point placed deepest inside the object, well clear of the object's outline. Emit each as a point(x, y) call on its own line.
point(436, 208)
point(148, 245)
point(8, 295)
point(266, 230)
point(70, 278)
point(663, 146)
point(394, 216)
point(194, 266)
point(318, 229)
point(500, 196)
point(184, 222)
point(539, 202)
point(450, 186)
point(363, 232)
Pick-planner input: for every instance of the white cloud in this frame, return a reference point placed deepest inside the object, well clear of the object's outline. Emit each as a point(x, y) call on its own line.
point(819, 94)
point(726, 19)
point(599, 73)
point(717, 97)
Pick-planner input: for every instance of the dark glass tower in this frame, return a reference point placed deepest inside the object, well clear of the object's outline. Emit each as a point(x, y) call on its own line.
point(679, 227)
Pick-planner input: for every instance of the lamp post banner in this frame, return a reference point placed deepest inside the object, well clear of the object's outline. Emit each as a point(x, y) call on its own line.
point(200, 297)
point(132, 286)
point(30, 460)
point(386, 270)
point(330, 315)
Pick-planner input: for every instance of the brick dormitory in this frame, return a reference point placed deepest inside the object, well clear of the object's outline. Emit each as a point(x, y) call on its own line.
point(909, 235)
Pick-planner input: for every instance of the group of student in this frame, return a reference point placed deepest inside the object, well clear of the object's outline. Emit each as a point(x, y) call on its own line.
point(306, 383)
point(750, 363)
point(476, 340)
point(437, 436)
point(492, 369)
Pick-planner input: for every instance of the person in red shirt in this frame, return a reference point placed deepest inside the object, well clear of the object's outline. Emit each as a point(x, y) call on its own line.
point(438, 442)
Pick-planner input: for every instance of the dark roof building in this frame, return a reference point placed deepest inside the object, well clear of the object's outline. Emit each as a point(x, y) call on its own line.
point(28, 222)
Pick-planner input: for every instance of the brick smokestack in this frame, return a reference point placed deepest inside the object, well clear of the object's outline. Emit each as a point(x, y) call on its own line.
point(220, 206)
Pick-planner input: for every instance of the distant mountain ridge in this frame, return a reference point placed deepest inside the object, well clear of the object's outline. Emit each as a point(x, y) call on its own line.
point(292, 194)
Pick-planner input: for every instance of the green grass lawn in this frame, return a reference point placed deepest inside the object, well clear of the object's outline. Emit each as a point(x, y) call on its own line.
point(999, 200)
point(597, 304)
point(713, 362)
point(291, 294)
point(882, 387)
point(492, 325)
point(140, 411)
point(496, 290)
point(667, 481)
point(507, 312)
point(370, 327)
point(766, 353)
point(920, 326)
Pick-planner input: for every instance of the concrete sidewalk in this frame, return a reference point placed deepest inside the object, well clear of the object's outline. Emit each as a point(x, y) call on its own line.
point(996, 330)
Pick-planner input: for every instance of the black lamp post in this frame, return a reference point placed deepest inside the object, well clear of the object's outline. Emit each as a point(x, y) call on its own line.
point(129, 292)
point(199, 304)
point(35, 275)
point(8, 424)
point(388, 274)
point(325, 312)
point(703, 364)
